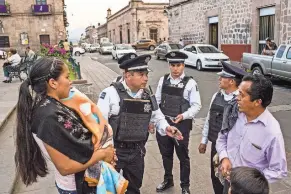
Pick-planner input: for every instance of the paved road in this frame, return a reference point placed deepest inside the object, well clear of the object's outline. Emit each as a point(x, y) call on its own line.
point(208, 85)
point(207, 81)
point(200, 167)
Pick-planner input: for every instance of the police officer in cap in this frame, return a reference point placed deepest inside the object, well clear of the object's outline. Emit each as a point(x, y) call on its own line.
point(179, 100)
point(129, 108)
point(229, 79)
point(121, 60)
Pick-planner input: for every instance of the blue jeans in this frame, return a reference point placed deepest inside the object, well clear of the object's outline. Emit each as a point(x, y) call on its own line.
point(61, 191)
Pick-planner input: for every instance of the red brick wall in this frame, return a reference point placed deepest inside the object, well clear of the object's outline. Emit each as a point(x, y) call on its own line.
point(235, 51)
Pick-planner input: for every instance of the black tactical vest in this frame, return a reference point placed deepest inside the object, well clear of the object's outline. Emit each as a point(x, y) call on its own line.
point(131, 123)
point(216, 116)
point(173, 102)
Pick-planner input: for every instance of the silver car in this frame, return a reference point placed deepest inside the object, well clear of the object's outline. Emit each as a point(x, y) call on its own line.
point(165, 48)
point(106, 48)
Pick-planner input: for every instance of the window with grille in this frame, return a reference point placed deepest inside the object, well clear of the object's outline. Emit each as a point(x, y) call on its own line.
point(4, 41)
point(44, 39)
point(41, 2)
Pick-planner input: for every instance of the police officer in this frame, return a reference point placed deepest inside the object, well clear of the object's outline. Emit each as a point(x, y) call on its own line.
point(229, 79)
point(179, 100)
point(129, 108)
point(121, 60)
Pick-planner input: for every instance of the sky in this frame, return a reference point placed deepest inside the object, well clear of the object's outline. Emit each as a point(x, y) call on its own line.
point(82, 13)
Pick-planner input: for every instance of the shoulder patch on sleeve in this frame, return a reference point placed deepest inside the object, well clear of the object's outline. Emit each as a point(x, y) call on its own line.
point(102, 95)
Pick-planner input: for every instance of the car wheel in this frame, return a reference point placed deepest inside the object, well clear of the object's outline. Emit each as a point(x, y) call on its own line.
point(77, 53)
point(158, 57)
point(257, 71)
point(199, 65)
point(151, 48)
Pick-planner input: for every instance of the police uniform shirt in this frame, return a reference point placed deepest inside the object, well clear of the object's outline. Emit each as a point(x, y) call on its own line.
point(108, 104)
point(227, 97)
point(191, 94)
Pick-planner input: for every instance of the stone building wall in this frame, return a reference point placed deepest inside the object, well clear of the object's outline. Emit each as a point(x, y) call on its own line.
point(153, 18)
point(190, 21)
point(285, 24)
point(139, 18)
point(238, 23)
point(102, 31)
point(91, 32)
point(22, 20)
point(122, 20)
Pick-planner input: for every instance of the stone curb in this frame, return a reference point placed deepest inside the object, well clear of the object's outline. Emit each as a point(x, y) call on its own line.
point(2, 124)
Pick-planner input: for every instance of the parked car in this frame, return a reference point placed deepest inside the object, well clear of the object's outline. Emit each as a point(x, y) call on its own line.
point(86, 47)
point(165, 48)
point(278, 65)
point(77, 51)
point(145, 44)
point(121, 49)
point(106, 48)
point(204, 56)
point(93, 48)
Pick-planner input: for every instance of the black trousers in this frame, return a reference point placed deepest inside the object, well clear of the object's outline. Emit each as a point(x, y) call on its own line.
point(217, 186)
point(131, 161)
point(166, 146)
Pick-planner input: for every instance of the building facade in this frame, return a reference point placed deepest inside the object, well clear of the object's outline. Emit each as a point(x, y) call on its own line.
point(102, 31)
point(91, 35)
point(138, 20)
point(234, 26)
point(31, 23)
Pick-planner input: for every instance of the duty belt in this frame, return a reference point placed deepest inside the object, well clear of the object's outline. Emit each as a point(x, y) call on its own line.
point(126, 145)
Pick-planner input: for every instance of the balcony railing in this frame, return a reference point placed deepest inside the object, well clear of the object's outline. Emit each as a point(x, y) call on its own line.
point(41, 9)
point(5, 10)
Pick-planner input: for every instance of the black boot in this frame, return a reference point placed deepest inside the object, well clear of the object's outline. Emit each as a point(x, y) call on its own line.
point(5, 81)
point(185, 190)
point(165, 185)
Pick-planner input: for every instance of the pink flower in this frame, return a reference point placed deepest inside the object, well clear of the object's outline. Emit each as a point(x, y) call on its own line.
point(52, 50)
point(68, 124)
point(62, 51)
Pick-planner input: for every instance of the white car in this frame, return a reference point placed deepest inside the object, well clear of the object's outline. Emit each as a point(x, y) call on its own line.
point(93, 48)
point(77, 51)
point(121, 49)
point(106, 48)
point(204, 56)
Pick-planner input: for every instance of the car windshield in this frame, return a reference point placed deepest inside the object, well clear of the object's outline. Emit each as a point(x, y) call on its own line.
point(107, 44)
point(175, 46)
point(124, 47)
point(208, 49)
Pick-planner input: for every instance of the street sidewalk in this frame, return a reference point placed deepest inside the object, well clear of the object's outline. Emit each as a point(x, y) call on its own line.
point(101, 76)
point(8, 100)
